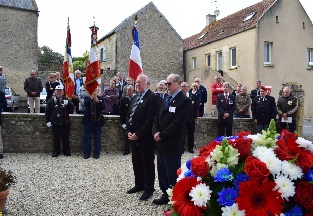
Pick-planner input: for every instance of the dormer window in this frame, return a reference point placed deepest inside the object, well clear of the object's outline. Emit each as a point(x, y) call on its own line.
point(249, 17)
point(202, 36)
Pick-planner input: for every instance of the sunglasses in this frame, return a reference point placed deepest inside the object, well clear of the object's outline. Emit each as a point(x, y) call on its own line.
point(168, 84)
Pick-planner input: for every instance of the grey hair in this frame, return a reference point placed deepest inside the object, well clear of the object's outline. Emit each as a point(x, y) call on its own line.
point(146, 78)
point(130, 87)
point(228, 85)
point(176, 78)
point(244, 87)
point(287, 88)
point(185, 84)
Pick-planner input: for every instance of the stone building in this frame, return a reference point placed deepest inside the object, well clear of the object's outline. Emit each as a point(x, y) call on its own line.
point(18, 40)
point(160, 45)
point(271, 41)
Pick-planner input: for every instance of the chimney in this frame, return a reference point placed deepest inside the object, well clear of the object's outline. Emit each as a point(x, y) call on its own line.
point(210, 19)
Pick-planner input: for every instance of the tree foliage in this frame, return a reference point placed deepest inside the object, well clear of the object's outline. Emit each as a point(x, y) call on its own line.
point(49, 60)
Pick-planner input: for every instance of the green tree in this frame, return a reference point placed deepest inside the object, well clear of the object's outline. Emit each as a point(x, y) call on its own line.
point(49, 60)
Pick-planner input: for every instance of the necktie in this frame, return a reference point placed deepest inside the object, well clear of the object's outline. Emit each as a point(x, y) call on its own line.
point(134, 109)
point(226, 99)
point(168, 102)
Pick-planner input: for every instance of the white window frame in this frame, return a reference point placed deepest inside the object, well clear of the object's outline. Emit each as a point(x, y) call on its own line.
point(208, 60)
point(194, 62)
point(104, 54)
point(219, 60)
point(309, 57)
point(268, 53)
point(233, 62)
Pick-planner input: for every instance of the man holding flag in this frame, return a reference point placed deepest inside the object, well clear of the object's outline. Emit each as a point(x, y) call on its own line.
point(135, 65)
point(67, 69)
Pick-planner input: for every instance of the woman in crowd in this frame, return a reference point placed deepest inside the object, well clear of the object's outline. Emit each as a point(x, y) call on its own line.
point(110, 96)
point(237, 90)
point(195, 96)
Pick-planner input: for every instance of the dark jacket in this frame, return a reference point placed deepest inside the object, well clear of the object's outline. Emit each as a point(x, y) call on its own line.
point(195, 100)
point(3, 100)
point(224, 106)
point(32, 85)
point(287, 105)
point(264, 111)
point(171, 123)
point(49, 90)
point(254, 93)
point(124, 109)
point(143, 117)
point(93, 111)
point(58, 113)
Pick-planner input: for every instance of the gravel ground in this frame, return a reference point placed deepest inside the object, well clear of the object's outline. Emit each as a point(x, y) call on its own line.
point(74, 186)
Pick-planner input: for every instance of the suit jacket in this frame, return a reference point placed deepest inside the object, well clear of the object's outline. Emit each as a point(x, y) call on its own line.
point(171, 123)
point(58, 114)
point(142, 119)
point(254, 93)
point(225, 107)
point(93, 111)
point(264, 111)
point(81, 83)
point(124, 109)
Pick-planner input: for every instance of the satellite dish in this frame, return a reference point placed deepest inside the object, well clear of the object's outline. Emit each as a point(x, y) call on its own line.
point(217, 13)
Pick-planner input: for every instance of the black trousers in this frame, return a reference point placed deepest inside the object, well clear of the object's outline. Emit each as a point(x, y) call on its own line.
point(227, 125)
point(143, 164)
point(61, 132)
point(190, 130)
point(127, 142)
point(201, 110)
point(76, 104)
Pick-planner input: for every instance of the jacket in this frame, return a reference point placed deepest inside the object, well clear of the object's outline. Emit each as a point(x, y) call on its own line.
point(57, 113)
point(32, 85)
point(264, 111)
point(216, 89)
point(243, 102)
point(93, 111)
point(287, 105)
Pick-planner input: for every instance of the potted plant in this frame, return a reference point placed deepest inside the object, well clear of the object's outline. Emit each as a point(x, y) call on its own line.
point(6, 180)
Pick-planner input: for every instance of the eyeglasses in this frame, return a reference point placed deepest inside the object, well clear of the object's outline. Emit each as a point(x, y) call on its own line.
point(184, 86)
point(168, 84)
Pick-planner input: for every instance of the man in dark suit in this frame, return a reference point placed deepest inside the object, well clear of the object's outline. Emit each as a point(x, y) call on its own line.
point(140, 122)
point(264, 109)
point(226, 105)
point(161, 90)
point(204, 96)
point(255, 92)
point(168, 130)
point(124, 114)
point(78, 81)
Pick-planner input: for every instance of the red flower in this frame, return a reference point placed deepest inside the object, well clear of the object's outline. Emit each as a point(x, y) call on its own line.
point(285, 134)
point(182, 201)
point(178, 172)
point(259, 198)
point(304, 194)
point(242, 145)
point(256, 169)
point(206, 150)
point(243, 133)
point(200, 167)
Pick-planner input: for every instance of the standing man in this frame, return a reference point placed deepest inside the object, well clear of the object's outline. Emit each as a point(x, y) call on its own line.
point(255, 92)
point(161, 90)
point(216, 89)
point(204, 96)
point(243, 103)
point(191, 123)
point(263, 110)
point(93, 121)
point(287, 107)
point(3, 80)
point(57, 116)
point(33, 87)
point(78, 81)
point(124, 114)
point(50, 86)
point(226, 105)
point(58, 78)
point(140, 123)
point(169, 129)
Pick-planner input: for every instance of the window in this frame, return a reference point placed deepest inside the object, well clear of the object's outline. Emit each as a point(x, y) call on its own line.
point(277, 19)
point(104, 54)
point(194, 63)
point(249, 16)
point(267, 53)
point(219, 60)
point(232, 57)
point(309, 57)
point(208, 60)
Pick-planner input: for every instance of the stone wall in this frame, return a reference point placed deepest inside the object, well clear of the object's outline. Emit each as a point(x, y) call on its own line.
point(18, 44)
point(23, 132)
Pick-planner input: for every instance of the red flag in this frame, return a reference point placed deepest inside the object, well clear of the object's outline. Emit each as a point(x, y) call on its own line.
point(67, 68)
point(135, 65)
point(93, 74)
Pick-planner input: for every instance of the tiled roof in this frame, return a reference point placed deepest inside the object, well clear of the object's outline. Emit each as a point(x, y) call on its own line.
point(228, 26)
point(21, 4)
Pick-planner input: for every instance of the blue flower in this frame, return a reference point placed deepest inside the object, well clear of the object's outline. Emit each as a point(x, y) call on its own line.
point(223, 175)
point(188, 164)
point(219, 139)
point(227, 196)
point(241, 177)
point(189, 173)
point(232, 137)
point(295, 211)
point(278, 137)
point(309, 175)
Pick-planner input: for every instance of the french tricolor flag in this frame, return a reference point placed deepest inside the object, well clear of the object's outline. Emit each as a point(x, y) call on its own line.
point(135, 65)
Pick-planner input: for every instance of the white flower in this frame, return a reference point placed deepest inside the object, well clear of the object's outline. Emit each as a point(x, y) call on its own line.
point(169, 192)
point(285, 186)
point(260, 151)
point(291, 170)
point(272, 163)
point(200, 194)
point(232, 211)
point(305, 143)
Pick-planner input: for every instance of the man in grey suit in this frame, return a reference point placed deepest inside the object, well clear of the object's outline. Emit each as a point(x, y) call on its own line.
point(168, 130)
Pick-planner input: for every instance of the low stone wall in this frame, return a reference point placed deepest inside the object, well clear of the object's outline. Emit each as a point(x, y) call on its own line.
point(25, 132)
